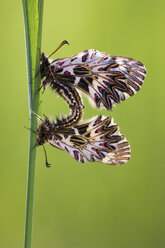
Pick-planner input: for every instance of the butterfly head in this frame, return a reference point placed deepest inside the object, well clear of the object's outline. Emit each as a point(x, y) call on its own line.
point(44, 131)
point(45, 63)
point(44, 66)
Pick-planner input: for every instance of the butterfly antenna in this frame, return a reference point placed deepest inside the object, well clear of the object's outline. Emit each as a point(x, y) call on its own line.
point(62, 43)
point(46, 159)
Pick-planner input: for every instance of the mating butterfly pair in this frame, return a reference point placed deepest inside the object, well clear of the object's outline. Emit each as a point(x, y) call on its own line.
point(107, 80)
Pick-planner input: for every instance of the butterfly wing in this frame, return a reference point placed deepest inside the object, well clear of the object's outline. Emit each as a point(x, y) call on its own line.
point(106, 79)
point(96, 140)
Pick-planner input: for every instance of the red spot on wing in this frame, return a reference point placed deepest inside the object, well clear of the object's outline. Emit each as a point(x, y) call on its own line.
point(84, 57)
point(96, 122)
point(98, 130)
point(76, 154)
point(58, 144)
point(100, 89)
point(105, 82)
point(61, 63)
point(100, 69)
point(96, 97)
point(101, 144)
point(67, 73)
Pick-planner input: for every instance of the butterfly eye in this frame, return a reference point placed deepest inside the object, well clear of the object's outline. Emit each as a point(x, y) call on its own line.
point(42, 58)
point(45, 60)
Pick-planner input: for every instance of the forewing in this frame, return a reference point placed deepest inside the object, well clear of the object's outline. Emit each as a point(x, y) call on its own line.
point(104, 78)
point(96, 140)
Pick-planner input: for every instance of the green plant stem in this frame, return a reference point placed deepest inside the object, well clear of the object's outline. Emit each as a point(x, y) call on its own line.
point(33, 14)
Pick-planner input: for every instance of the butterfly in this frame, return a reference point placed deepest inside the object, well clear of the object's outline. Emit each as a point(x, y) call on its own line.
point(97, 140)
point(104, 78)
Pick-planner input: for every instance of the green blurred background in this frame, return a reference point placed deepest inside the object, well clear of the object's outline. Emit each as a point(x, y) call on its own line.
point(87, 205)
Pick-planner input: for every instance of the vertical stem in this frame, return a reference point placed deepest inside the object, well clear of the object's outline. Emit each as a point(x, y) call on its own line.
point(30, 191)
point(33, 14)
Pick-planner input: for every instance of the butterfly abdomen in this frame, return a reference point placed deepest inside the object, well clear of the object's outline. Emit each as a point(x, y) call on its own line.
point(73, 99)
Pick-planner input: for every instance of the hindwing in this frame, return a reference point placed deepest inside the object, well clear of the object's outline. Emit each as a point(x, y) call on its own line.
point(96, 140)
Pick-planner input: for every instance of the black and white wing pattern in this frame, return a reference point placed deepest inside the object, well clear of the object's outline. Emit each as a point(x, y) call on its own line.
point(106, 79)
point(96, 140)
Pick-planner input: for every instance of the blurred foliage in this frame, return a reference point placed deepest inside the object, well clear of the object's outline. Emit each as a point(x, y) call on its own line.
point(86, 205)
